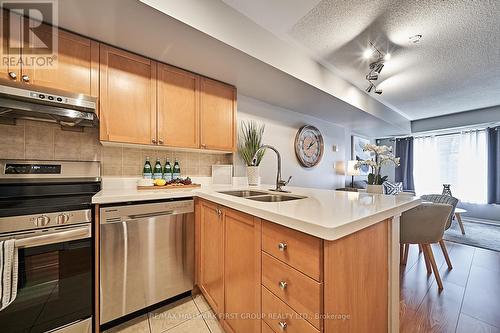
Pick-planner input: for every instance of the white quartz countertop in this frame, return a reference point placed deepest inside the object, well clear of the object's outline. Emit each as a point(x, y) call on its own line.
point(327, 214)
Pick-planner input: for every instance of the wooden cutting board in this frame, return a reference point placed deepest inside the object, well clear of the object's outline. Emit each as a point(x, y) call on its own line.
point(169, 187)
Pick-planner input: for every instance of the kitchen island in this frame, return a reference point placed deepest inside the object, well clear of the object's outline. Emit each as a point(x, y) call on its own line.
point(326, 262)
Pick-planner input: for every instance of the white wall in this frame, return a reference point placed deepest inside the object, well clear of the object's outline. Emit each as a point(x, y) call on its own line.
point(281, 127)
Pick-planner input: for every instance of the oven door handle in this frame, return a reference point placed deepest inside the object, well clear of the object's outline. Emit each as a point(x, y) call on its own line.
point(55, 237)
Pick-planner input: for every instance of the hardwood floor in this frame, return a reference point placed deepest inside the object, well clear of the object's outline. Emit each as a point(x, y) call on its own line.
point(470, 301)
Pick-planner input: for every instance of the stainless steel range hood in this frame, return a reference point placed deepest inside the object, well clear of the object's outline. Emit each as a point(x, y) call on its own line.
point(32, 102)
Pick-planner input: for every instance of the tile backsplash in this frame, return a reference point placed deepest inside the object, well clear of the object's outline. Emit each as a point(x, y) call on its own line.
point(36, 140)
point(125, 161)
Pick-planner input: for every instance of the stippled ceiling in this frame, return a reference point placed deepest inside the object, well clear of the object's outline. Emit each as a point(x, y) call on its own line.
point(454, 68)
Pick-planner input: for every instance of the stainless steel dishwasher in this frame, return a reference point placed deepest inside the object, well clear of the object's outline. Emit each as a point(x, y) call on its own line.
point(146, 255)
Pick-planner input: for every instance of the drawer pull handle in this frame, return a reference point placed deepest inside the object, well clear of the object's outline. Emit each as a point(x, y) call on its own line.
point(283, 285)
point(282, 246)
point(283, 325)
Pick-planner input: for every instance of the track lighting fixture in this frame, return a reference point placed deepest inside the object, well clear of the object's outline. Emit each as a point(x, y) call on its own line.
point(375, 67)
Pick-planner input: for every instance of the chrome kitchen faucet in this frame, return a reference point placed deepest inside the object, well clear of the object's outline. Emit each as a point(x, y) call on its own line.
point(279, 182)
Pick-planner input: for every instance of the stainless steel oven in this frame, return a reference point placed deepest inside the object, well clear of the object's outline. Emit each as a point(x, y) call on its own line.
point(54, 280)
point(50, 218)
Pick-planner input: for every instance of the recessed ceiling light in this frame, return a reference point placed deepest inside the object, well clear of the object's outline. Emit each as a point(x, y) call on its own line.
point(415, 39)
point(368, 53)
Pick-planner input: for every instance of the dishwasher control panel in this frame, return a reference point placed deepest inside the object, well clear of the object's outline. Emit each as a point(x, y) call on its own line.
point(125, 213)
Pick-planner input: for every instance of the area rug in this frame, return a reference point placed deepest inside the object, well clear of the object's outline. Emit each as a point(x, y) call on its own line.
point(476, 234)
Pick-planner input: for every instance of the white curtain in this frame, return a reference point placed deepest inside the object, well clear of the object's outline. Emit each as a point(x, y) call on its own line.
point(456, 159)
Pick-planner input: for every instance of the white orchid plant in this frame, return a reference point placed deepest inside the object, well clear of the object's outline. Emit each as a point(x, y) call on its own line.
point(381, 155)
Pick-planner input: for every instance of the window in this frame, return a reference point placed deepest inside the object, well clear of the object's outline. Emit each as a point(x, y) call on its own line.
point(456, 159)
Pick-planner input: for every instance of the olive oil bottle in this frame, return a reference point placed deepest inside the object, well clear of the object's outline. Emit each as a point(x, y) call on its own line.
point(147, 172)
point(157, 173)
point(167, 171)
point(176, 172)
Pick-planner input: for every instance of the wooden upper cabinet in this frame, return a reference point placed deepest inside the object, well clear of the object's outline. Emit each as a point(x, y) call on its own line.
point(211, 270)
point(76, 67)
point(178, 107)
point(127, 97)
point(218, 115)
point(11, 47)
point(242, 271)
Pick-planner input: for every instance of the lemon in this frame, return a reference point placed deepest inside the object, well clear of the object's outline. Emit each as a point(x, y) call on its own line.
point(160, 182)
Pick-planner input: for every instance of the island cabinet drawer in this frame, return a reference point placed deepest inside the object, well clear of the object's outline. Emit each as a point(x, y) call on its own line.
point(297, 249)
point(299, 291)
point(282, 318)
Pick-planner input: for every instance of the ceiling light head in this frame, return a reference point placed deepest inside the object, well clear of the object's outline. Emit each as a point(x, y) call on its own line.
point(370, 88)
point(372, 76)
point(415, 39)
point(387, 57)
point(367, 54)
point(379, 67)
point(378, 91)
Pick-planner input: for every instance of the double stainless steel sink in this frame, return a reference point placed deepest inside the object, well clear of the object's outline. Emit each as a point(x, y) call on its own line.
point(262, 196)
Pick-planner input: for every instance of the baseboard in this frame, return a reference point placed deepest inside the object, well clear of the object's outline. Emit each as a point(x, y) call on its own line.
point(478, 220)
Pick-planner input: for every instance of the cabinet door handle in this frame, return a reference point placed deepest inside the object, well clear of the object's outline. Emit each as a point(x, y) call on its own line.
point(12, 75)
point(153, 141)
point(25, 78)
point(283, 285)
point(160, 141)
point(282, 246)
point(283, 325)
point(204, 146)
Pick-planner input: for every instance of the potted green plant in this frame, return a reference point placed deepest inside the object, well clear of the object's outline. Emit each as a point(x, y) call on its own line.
point(381, 155)
point(249, 141)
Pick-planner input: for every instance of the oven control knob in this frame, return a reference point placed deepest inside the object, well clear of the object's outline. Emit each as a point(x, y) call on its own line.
point(42, 221)
point(62, 218)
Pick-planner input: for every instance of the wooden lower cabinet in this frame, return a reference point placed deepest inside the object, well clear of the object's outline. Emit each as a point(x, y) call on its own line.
point(293, 287)
point(242, 272)
point(356, 281)
point(211, 255)
point(229, 265)
point(241, 275)
point(281, 317)
point(294, 248)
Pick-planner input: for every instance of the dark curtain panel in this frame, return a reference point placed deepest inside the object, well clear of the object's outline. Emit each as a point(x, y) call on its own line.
point(404, 174)
point(494, 165)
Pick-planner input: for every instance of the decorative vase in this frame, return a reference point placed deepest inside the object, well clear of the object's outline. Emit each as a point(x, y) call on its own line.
point(379, 189)
point(253, 175)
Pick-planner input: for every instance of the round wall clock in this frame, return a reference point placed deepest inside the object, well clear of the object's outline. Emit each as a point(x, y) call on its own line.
point(309, 146)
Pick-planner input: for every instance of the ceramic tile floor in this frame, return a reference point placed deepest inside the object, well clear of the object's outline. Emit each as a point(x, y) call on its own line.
point(188, 315)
